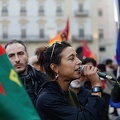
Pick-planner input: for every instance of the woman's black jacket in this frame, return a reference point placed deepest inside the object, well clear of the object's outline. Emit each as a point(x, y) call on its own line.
point(53, 105)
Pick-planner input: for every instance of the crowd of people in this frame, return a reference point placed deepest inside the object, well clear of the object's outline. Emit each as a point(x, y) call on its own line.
point(58, 88)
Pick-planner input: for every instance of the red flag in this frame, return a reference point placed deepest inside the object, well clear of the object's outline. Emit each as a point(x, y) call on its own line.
point(2, 90)
point(65, 32)
point(61, 36)
point(2, 51)
point(86, 51)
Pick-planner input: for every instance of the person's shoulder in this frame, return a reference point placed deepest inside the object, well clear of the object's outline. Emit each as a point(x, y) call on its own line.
point(46, 99)
point(42, 75)
point(48, 92)
point(39, 73)
point(51, 88)
point(43, 98)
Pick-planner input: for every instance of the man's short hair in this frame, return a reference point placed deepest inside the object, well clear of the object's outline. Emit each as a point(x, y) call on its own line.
point(102, 67)
point(16, 41)
point(87, 60)
point(108, 61)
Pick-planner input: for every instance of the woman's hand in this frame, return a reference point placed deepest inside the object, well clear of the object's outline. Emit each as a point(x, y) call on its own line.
point(90, 73)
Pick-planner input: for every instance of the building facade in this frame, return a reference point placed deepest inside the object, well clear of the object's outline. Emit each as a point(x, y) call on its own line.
point(37, 21)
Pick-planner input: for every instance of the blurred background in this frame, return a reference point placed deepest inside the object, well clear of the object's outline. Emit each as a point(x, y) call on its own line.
point(38, 21)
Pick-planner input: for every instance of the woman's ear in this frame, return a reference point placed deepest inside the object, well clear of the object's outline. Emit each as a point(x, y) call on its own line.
point(54, 67)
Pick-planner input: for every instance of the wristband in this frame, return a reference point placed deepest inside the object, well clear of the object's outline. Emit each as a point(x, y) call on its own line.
point(96, 89)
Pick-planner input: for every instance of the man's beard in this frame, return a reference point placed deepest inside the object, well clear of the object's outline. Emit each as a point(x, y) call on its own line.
point(20, 73)
point(77, 84)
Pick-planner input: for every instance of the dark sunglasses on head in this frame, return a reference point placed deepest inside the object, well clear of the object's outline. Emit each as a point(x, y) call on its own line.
point(54, 49)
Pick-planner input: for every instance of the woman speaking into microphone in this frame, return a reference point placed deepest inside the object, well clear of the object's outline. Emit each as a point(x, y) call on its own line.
point(56, 101)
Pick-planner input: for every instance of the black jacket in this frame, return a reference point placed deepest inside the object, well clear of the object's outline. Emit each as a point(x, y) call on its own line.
point(53, 105)
point(32, 82)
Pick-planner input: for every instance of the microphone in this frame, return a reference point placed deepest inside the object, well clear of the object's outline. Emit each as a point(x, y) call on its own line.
point(102, 75)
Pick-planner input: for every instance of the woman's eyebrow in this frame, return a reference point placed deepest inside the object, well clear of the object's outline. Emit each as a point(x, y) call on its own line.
point(71, 55)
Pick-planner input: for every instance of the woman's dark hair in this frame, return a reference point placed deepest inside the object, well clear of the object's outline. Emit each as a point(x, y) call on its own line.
point(52, 54)
point(87, 60)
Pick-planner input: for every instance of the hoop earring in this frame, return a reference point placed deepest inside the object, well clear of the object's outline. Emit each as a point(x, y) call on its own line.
point(57, 75)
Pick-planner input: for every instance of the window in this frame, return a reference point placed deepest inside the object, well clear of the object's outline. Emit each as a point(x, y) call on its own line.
point(23, 10)
point(102, 49)
point(41, 33)
point(59, 10)
point(101, 36)
point(81, 32)
point(5, 31)
point(100, 12)
point(41, 10)
point(23, 33)
point(80, 9)
point(5, 35)
point(4, 10)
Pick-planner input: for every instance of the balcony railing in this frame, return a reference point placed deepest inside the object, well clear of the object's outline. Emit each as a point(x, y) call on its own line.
point(83, 13)
point(78, 38)
point(30, 38)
